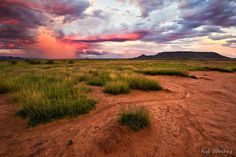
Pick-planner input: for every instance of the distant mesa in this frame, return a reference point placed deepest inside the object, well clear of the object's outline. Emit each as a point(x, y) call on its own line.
point(11, 58)
point(183, 55)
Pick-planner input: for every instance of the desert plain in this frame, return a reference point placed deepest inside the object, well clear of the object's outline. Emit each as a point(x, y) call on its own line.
point(70, 108)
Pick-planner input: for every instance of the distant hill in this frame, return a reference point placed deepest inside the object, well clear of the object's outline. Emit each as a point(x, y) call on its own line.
point(11, 58)
point(184, 55)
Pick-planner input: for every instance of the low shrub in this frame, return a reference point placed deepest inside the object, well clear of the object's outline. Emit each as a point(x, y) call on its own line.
point(136, 117)
point(117, 87)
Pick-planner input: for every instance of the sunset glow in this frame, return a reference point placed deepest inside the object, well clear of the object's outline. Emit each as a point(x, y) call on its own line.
point(115, 28)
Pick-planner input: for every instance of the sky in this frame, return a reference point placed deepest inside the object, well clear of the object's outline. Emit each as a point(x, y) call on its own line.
point(59, 29)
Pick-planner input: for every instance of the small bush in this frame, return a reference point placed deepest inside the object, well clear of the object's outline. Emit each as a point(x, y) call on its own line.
point(71, 62)
point(117, 87)
point(142, 83)
point(13, 62)
point(135, 117)
point(50, 62)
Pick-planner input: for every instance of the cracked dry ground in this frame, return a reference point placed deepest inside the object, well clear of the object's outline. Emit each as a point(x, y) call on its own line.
point(188, 115)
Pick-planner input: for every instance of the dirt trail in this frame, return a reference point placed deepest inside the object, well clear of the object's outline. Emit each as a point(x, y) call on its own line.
point(189, 115)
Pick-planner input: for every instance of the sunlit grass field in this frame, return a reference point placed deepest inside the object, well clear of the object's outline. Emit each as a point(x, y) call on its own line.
point(44, 90)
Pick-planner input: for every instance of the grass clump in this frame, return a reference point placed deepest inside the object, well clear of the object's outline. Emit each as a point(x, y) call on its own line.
point(136, 117)
point(142, 83)
point(98, 78)
point(220, 69)
point(7, 85)
point(117, 87)
point(97, 81)
point(83, 77)
point(165, 72)
point(40, 106)
point(42, 97)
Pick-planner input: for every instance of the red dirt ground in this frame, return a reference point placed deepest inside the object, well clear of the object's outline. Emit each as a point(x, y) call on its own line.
point(189, 117)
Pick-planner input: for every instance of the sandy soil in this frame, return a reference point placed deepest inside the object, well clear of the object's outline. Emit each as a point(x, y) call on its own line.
point(190, 118)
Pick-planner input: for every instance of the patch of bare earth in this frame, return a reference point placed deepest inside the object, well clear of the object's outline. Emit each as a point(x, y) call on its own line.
point(189, 116)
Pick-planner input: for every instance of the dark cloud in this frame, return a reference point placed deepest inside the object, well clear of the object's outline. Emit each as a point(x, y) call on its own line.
point(197, 18)
point(196, 13)
point(221, 37)
point(18, 22)
point(71, 9)
point(175, 32)
point(21, 13)
point(230, 43)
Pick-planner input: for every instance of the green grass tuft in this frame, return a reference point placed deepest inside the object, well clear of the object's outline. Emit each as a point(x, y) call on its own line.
point(142, 83)
point(41, 107)
point(135, 117)
point(117, 87)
